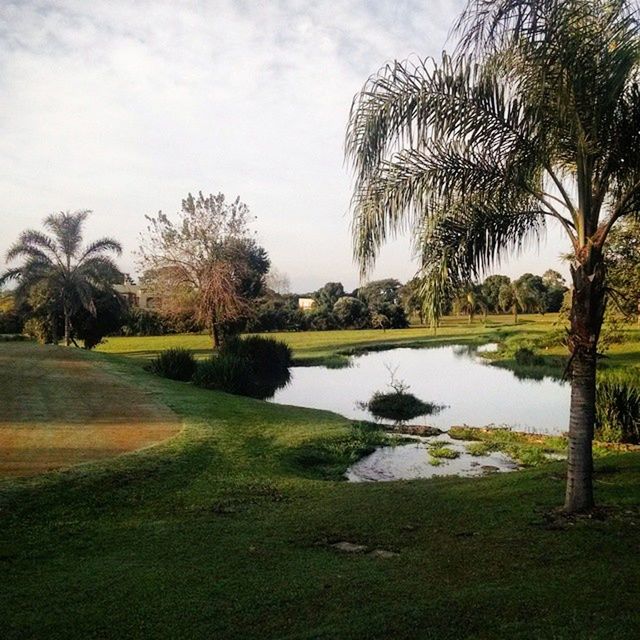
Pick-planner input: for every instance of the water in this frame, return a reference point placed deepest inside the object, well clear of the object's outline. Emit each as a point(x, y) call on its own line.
point(475, 393)
point(409, 461)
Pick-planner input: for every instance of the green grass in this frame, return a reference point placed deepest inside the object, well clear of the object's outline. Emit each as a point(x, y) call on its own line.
point(529, 450)
point(332, 347)
point(225, 532)
point(442, 451)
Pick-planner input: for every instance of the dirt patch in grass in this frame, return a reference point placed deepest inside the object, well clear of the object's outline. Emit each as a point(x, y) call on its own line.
point(57, 408)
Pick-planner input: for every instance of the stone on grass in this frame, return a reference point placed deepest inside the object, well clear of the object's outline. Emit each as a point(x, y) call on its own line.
point(349, 547)
point(383, 553)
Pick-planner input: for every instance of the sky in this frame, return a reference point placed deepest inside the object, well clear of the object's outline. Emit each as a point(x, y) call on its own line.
point(125, 107)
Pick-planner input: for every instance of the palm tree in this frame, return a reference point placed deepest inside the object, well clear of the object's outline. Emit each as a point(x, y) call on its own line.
point(60, 264)
point(471, 300)
point(535, 117)
point(519, 295)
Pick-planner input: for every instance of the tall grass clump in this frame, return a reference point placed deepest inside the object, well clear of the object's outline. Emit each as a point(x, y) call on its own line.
point(618, 410)
point(252, 366)
point(175, 364)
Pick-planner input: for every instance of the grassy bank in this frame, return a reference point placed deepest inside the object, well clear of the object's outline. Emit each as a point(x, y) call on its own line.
point(330, 347)
point(226, 531)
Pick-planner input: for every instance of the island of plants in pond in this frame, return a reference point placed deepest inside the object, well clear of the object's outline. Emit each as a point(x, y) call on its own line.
point(398, 404)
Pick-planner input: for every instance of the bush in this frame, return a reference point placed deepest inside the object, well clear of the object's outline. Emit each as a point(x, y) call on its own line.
point(39, 329)
point(442, 451)
point(399, 406)
point(527, 357)
point(175, 364)
point(253, 366)
point(617, 410)
point(224, 372)
point(267, 355)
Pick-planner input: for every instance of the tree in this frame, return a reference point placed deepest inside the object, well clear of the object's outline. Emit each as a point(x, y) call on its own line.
point(556, 287)
point(470, 300)
point(278, 282)
point(207, 262)
point(623, 261)
point(491, 291)
point(518, 296)
point(411, 298)
point(377, 293)
point(328, 295)
point(535, 117)
point(351, 312)
point(58, 263)
point(532, 293)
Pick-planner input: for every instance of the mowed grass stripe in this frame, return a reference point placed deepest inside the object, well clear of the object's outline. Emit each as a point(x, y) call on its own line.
point(59, 408)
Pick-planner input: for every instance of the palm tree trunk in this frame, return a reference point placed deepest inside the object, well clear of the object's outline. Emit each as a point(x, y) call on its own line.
point(67, 326)
point(587, 312)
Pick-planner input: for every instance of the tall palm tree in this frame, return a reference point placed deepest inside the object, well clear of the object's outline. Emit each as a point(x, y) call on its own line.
point(519, 295)
point(535, 117)
point(59, 263)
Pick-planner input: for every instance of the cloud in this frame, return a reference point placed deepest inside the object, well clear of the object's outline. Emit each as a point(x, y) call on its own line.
point(124, 107)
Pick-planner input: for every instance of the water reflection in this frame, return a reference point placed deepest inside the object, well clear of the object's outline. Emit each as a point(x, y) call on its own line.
point(409, 461)
point(475, 393)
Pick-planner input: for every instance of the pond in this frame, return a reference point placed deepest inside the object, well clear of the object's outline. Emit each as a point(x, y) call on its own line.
point(409, 461)
point(474, 392)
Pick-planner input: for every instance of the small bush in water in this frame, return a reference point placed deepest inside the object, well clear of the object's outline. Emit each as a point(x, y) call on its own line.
point(175, 364)
point(399, 406)
point(440, 451)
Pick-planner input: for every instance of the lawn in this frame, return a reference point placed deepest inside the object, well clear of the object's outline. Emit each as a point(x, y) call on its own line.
point(225, 531)
point(325, 347)
point(59, 408)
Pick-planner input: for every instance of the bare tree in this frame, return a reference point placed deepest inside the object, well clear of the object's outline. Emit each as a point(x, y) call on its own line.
point(207, 262)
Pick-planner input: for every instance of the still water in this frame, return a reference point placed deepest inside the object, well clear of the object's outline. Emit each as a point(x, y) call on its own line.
point(474, 392)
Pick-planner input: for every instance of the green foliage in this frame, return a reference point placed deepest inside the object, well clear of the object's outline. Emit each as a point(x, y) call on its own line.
point(328, 458)
point(254, 366)
point(399, 406)
point(618, 409)
point(443, 452)
point(351, 313)
point(480, 448)
point(109, 311)
point(527, 357)
point(39, 329)
point(328, 295)
point(267, 355)
point(175, 364)
point(529, 450)
point(225, 372)
point(66, 276)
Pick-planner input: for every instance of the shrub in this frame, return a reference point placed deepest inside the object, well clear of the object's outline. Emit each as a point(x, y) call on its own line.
point(527, 357)
point(224, 372)
point(175, 364)
point(399, 406)
point(440, 451)
point(267, 355)
point(39, 329)
point(617, 410)
point(253, 366)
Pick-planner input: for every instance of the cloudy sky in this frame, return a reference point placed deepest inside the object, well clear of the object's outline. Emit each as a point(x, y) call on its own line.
point(125, 107)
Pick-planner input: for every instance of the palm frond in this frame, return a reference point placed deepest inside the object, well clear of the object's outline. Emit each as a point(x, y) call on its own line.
point(101, 246)
point(67, 228)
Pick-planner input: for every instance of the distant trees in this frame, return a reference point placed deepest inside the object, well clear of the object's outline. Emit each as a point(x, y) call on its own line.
point(60, 276)
point(351, 313)
point(328, 295)
point(206, 262)
point(623, 264)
